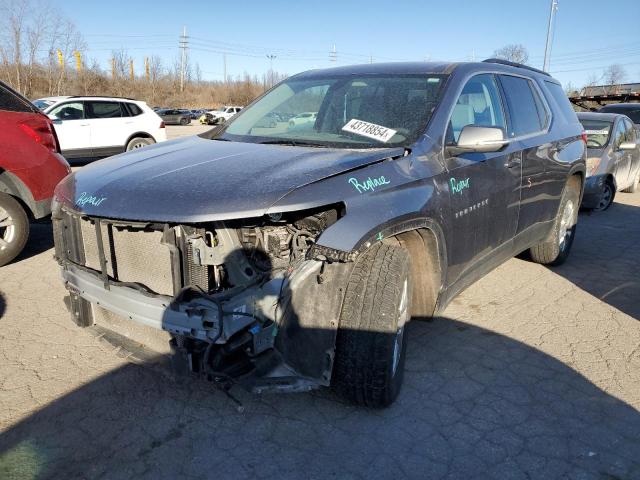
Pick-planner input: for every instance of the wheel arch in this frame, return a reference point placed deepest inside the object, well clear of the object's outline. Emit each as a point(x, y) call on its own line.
point(140, 135)
point(12, 185)
point(425, 241)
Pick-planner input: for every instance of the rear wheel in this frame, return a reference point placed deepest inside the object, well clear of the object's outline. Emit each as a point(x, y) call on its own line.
point(633, 188)
point(14, 228)
point(138, 142)
point(556, 249)
point(184, 121)
point(371, 343)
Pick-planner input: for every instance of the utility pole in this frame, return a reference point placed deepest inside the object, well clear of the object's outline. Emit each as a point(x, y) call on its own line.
point(547, 48)
point(184, 45)
point(333, 54)
point(147, 70)
point(131, 72)
point(224, 66)
point(113, 68)
point(271, 59)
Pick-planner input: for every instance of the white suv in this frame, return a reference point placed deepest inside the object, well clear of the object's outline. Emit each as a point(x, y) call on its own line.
point(221, 115)
point(94, 127)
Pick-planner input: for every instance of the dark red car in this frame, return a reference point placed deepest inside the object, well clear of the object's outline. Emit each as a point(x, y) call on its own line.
point(30, 168)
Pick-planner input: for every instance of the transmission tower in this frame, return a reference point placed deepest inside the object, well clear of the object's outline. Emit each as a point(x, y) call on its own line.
point(184, 45)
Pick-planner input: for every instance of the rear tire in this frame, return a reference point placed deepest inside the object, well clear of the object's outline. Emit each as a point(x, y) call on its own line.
point(139, 142)
point(371, 342)
point(184, 121)
point(556, 250)
point(14, 228)
point(633, 188)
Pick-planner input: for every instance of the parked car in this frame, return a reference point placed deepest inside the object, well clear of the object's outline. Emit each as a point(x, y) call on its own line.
point(196, 114)
point(219, 116)
point(631, 110)
point(96, 127)
point(613, 158)
point(30, 167)
point(304, 118)
point(173, 116)
point(288, 260)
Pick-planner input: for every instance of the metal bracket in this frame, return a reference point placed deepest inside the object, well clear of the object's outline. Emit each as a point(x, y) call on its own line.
point(203, 254)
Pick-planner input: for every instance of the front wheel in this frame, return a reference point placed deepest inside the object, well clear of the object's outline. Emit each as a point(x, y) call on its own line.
point(556, 249)
point(371, 342)
point(184, 121)
point(14, 228)
point(606, 199)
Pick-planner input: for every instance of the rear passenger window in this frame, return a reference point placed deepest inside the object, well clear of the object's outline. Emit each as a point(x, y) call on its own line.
point(562, 101)
point(478, 104)
point(522, 106)
point(11, 102)
point(631, 132)
point(134, 109)
point(104, 110)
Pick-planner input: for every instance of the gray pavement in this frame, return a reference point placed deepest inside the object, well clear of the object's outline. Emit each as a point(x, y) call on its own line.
point(531, 373)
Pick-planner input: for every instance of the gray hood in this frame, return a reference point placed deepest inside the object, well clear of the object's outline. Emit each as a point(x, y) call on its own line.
point(195, 179)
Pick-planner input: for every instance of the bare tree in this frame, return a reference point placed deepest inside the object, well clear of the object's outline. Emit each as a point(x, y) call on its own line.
point(614, 74)
point(513, 52)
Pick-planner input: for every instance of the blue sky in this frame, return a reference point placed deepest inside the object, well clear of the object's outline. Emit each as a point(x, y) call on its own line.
point(589, 34)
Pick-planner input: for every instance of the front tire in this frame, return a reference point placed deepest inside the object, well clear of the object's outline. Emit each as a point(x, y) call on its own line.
point(556, 249)
point(371, 342)
point(14, 228)
point(138, 142)
point(184, 121)
point(606, 199)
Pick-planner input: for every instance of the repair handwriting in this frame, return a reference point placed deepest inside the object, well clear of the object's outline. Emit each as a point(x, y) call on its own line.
point(370, 184)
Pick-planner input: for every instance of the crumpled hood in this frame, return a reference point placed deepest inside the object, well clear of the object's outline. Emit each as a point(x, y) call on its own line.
point(195, 179)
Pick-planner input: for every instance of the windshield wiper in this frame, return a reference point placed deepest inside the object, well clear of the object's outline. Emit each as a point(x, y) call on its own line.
point(293, 143)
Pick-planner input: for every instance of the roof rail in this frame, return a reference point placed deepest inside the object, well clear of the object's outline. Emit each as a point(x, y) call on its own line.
point(514, 64)
point(101, 96)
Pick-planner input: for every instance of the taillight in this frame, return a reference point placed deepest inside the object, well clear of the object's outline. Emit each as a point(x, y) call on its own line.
point(161, 124)
point(41, 131)
point(584, 137)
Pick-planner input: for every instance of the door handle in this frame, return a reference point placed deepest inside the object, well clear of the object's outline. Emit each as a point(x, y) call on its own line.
point(83, 125)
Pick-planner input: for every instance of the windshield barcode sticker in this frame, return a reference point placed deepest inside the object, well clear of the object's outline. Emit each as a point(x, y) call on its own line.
point(370, 130)
point(604, 131)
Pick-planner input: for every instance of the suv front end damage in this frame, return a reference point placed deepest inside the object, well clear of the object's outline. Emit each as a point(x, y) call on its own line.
point(246, 301)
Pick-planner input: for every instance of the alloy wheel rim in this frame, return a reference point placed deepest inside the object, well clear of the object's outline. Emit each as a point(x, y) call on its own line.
point(566, 224)
point(7, 229)
point(605, 199)
point(403, 312)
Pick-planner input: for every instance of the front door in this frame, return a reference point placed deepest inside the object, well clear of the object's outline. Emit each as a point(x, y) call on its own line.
point(72, 129)
point(484, 188)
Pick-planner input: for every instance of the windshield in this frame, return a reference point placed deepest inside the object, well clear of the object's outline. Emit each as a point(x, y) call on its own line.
point(42, 104)
point(371, 111)
point(632, 113)
point(598, 132)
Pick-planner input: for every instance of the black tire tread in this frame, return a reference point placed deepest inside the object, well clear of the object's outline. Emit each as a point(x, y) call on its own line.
point(22, 227)
point(368, 323)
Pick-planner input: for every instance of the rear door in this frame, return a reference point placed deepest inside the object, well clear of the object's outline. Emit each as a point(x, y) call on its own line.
point(72, 128)
point(107, 124)
point(632, 155)
point(529, 119)
point(484, 188)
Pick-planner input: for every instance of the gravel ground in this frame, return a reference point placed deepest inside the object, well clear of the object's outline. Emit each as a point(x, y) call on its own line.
point(530, 373)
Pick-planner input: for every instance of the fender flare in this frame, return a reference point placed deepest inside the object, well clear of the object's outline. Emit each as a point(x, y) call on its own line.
point(12, 185)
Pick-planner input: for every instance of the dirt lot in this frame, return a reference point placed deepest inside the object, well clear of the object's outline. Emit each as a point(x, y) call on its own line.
point(531, 373)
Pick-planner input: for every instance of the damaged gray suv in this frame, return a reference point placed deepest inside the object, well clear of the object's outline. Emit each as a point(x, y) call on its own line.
point(287, 255)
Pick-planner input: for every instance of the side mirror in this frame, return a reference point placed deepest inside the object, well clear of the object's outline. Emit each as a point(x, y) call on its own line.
point(479, 139)
point(627, 146)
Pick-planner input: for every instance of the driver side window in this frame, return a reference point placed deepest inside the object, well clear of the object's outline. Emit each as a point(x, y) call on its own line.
point(478, 104)
point(69, 111)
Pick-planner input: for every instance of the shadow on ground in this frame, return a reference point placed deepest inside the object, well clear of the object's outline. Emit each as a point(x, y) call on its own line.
point(3, 304)
point(605, 259)
point(40, 240)
point(474, 405)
